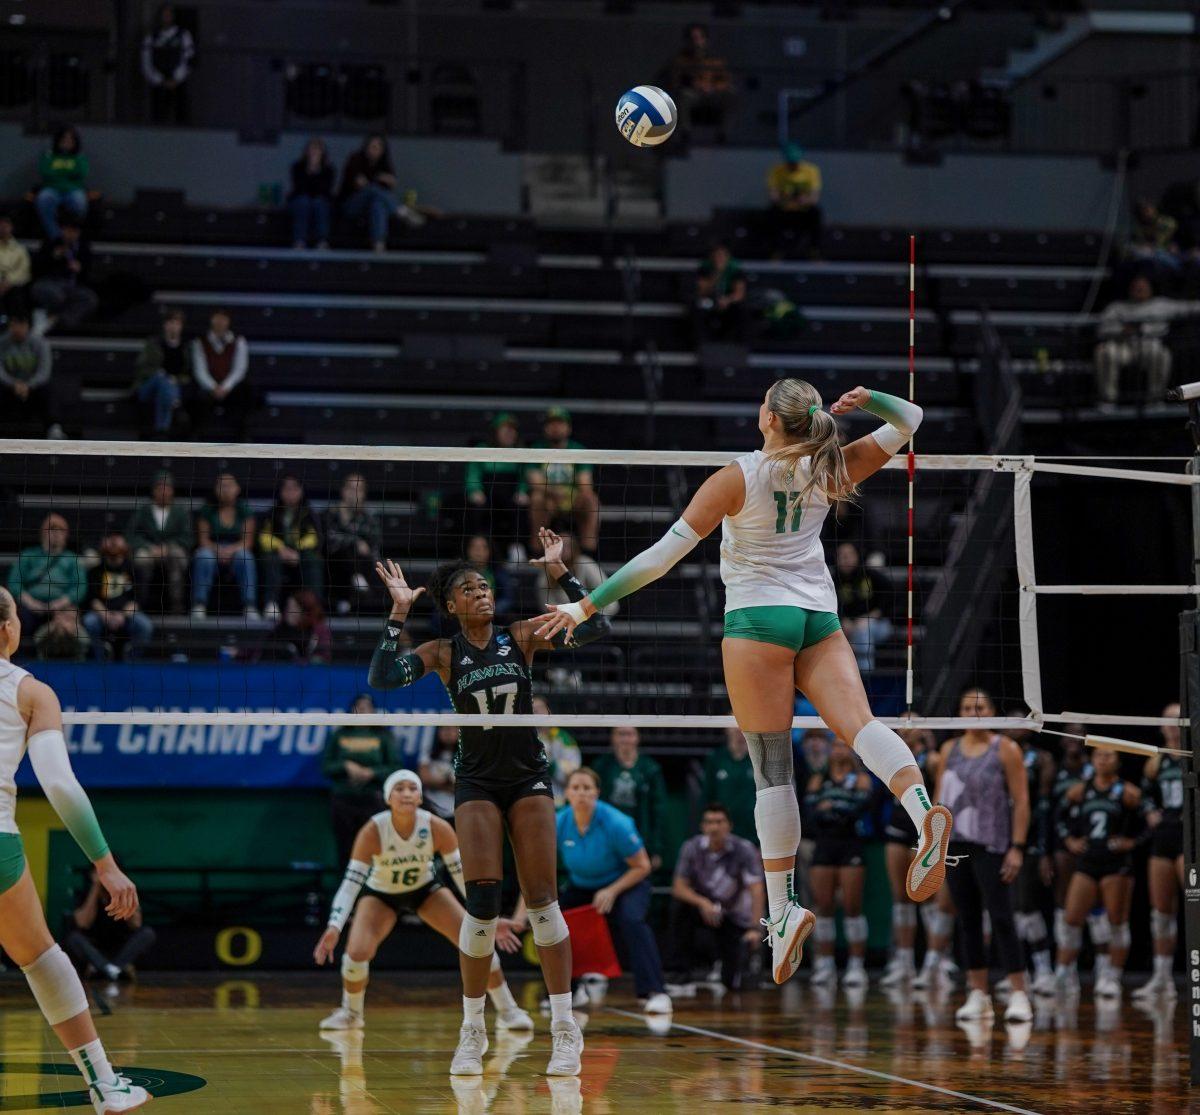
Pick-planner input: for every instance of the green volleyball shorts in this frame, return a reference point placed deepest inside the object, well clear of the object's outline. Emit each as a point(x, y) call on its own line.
point(782, 625)
point(12, 860)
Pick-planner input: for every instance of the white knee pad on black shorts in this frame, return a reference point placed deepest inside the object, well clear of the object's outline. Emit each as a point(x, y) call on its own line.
point(477, 938)
point(548, 925)
point(56, 987)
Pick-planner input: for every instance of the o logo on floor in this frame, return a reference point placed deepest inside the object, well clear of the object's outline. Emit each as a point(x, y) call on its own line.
point(64, 1090)
point(249, 952)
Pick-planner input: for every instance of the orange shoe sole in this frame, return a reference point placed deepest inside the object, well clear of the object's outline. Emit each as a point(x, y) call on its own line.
point(935, 840)
point(795, 948)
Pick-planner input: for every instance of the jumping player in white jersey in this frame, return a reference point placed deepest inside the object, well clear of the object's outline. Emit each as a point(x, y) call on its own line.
point(31, 720)
point(392, 864)
point(782, 631)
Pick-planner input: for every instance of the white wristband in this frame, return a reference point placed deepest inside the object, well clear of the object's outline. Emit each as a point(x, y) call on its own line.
point(574, 610)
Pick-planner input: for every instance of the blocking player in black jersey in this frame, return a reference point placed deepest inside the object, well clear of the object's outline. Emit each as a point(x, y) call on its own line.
point(837, 799)
point(1103, 818)
point(502, 780)
point(1163, 786)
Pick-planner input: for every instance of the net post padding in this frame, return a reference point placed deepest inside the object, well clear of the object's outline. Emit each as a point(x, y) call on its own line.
point(1031, 666)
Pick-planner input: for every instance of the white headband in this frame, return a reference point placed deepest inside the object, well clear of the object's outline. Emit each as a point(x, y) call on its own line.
point(398, 776)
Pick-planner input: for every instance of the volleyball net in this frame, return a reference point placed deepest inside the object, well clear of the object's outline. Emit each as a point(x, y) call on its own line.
point(1054, 584)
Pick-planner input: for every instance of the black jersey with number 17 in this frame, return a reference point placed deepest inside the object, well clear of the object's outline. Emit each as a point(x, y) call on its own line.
point(494, 680)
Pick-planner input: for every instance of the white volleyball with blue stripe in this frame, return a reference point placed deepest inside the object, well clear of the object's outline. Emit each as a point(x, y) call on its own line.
point(646, 116)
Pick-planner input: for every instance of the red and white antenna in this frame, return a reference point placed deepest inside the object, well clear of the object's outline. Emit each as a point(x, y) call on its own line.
point(912, 456)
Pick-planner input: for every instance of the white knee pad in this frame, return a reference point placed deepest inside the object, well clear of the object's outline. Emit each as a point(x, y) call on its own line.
point(1021, 921)
point(904, 915)
point(856, 929)
point(1035, 926)
point(477, 938)
point(826, 930)
point(56, 987)
point(1099, 928)
point(1162, 926)
point(937, 922)
point(1069, 937)
point(777, 818)
point(548, 925)
point(353, 971)
point(1120, 936)
point(883, 752)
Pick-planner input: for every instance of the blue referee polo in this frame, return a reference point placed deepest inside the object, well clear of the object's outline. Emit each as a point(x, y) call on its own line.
point(598, 857)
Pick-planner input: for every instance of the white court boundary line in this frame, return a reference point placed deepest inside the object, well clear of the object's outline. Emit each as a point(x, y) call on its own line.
point(830, 1063)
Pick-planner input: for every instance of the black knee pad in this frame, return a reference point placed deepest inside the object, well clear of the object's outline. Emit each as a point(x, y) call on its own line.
point(483, 899)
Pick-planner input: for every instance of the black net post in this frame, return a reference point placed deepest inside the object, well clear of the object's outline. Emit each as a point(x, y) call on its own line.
point(1189, 701)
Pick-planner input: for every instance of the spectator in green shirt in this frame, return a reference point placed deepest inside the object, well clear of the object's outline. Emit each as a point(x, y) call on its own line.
point(721, 297)
point(160, 536)
point(498, 492)
point(729, 779)
point(357, 761)
point(558, 489)
point(64, 172)
point(47, 576)
point(225, 540)
point(634, 784)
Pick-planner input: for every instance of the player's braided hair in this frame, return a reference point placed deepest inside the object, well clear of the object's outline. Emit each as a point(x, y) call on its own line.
point(441, 583)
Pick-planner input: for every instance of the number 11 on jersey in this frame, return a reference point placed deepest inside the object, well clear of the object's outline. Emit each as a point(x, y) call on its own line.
point(487, 700)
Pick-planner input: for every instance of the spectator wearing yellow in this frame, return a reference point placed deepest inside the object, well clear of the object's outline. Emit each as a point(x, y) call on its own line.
point(794, 190)
point(290, 545)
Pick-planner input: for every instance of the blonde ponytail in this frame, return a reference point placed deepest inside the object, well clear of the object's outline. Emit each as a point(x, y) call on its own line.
point(797, 405)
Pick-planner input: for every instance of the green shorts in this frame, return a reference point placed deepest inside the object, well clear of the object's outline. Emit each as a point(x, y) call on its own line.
point(782, 625)
point(12, 860)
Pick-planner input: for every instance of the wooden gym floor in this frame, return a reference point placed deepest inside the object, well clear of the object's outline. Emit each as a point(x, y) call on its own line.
point(250, 1046)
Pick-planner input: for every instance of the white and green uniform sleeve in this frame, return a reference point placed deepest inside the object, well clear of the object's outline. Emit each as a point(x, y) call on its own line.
point(648, 566)
point(52, 766)
point(347, 893)
point(901, 416)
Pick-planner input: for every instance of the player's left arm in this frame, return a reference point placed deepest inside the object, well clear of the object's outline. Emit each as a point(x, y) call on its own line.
point(869, 454)
point(445, 843)
point(1013, 763)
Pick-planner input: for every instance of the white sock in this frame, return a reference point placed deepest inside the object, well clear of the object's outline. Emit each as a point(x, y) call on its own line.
point(1164, 966)
point(502, 999)
point(916, 803)
point(854, 962)
point(1041, 961)
point(932, 959)
point(353, 1000)
point(473, 1010)
point(1102, 966)
point(560, 1008)
point(904, 957)
point(92, 1062)
point(779, 891)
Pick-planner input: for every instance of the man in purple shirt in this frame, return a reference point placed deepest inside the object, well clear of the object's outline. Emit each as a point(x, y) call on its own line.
point(719, 894)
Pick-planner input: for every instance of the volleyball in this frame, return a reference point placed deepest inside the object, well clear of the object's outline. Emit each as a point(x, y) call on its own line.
point(646, 116)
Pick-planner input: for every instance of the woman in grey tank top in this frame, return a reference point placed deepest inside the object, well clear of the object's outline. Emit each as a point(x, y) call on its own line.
point(982, 781)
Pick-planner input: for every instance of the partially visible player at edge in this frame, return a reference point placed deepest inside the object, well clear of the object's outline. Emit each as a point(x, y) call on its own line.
point(502, 779)
point(31, 719)
point(782, 631)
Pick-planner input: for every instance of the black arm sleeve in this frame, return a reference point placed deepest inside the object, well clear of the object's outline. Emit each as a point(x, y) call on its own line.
point(595, 628)
point(575, 592)
point(389, 668)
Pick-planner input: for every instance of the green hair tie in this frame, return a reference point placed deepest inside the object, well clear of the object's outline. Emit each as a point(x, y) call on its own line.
point(813, 409)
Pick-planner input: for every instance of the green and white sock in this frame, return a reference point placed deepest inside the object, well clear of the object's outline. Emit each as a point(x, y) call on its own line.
point(779, 891)
point(92, 1062)
point(916, 803)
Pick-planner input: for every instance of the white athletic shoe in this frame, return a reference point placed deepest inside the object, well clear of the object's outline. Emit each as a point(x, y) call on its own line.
point(898, 973)
point(1019, 1008)
point(1044, 983)
point(1066, 979)
point(568, 1045)
point(927, 976)
point(927, 871)
point(515, 1019)
point(1158, 986)
point(342, 1019)
point(658, 1003)
point(118, 1096)
point(948, 970)
point(787, 934)
point(468, 1057)
point(824, 972)
point(1108, 986)
point(977, 1008)
point(855, 975)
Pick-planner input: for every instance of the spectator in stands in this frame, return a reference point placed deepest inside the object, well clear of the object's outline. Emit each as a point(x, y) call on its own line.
point(607, 868)
point(718, 893)
point(585, 569)
point(61, 269)
point(729, 782)
point(561, 749)
point(16, 270)
point(862, 596)
point(368, 191)
point(561, 489)
point(167, 53)
point(700, 82)
point(26, 384)
point(1152, 237)
point(478, 553)
point(498, 491)
point(634, 784)
point(1133, 334)
point(720, 307)
point(357, 760)
point(352, 537)
point(160, 534)
point(163, 374)
point(794, 190)
point(62, 639)
point(47, 576)
point(94, 936)
point(64, 172)
point(311, 199)
point(220, 363)
point(437, 772)
point(224, 541)
point(290, 545)
point(302, 634)
point(113, 619)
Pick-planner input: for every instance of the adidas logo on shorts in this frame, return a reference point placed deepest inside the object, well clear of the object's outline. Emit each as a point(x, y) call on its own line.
point(538, 786)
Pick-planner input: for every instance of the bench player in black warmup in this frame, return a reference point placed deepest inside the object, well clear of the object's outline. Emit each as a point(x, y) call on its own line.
point(502, 779)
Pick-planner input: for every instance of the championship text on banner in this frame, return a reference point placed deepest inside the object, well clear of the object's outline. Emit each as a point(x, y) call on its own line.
point(265, 755)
